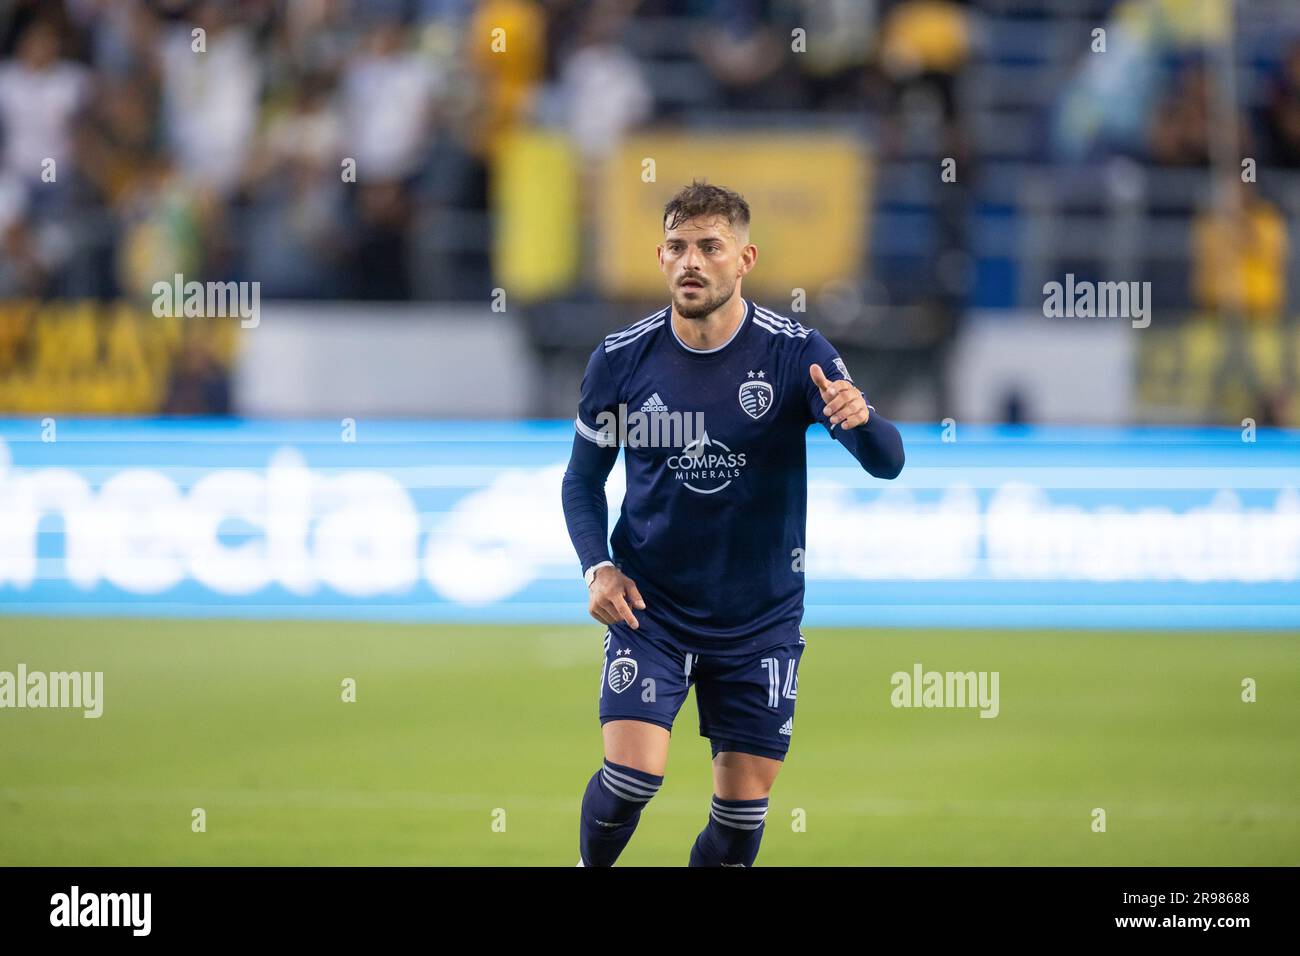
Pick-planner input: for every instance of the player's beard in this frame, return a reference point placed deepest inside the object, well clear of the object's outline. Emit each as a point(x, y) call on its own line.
point(705, 305)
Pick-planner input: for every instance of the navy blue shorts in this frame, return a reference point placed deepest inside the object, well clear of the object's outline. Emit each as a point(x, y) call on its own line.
point(746, 703)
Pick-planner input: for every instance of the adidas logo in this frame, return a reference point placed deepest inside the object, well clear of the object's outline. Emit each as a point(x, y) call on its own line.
point(788, 727)
point(654, 404)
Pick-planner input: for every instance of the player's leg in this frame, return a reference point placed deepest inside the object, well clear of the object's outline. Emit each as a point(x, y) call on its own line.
point(636, 753)
point(642, 687)
point(742, 784)
point(747, 712)
point(636, 743)
point(744, 776)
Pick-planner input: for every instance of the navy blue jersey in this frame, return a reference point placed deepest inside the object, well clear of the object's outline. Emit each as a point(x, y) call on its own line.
point(712, 528)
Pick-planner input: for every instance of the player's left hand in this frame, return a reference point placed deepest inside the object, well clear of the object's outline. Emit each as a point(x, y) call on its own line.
point(845, 405)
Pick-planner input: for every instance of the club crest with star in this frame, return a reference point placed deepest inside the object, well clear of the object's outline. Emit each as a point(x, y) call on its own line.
point(756, 395)
point(622, 672)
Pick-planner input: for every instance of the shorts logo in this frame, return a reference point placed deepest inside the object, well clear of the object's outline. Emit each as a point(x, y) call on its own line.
point(622, 672)
point(755, 398)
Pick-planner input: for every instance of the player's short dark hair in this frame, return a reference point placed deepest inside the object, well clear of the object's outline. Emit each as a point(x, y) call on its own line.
point(702, 199)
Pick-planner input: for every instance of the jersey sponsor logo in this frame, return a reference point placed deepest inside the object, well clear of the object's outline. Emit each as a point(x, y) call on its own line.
point(622, 672)
point(844, 370)
point(706, 465)
point(755, 398)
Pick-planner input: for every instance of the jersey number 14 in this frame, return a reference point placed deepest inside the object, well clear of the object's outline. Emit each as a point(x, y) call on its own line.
point(774, 689)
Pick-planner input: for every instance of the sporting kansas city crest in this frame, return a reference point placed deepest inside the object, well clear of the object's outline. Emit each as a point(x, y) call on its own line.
point(755, 398)
point(622, 672)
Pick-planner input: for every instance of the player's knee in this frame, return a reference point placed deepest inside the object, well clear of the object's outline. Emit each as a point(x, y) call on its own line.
point(638, 744)
point(744, 776)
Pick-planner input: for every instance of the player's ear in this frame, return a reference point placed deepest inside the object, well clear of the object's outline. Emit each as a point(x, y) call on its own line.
point(748, 256)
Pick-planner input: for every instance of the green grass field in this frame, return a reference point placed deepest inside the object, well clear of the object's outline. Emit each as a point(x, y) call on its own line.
point(451, 723)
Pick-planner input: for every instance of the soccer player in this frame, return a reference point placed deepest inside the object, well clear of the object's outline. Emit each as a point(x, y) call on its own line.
point(705, 586)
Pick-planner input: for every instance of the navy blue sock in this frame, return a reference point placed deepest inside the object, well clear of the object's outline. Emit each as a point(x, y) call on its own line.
point(732, 835)
point(611, 808)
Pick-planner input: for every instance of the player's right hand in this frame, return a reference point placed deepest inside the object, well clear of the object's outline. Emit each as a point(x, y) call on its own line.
point(611, 593)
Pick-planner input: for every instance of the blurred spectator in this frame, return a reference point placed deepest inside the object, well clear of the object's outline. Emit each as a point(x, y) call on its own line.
point(388, 95)
point(319, 34)
point(924, 47)
point(295, 218)
point(602, 85)
point(121, 36)
point(22, 269)
point(839, 38)
point(1240, 254)
point(199, 384)
point(1180, 127)
point(119, 134)
point(387, 104)
point(1185, 124)
point(210, 98)
point(507, 51)
point(381, 252)
point(564, 19)
point(1276, 408)
point(744, 49)
point(161, 229)
point(1014, 410)
point(40, 93)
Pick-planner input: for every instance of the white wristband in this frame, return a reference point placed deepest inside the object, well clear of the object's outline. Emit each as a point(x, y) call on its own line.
point(590, 574)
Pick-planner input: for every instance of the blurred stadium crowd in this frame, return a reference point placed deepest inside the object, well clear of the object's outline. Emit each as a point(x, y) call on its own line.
point(232, 165)
point(228, 164)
